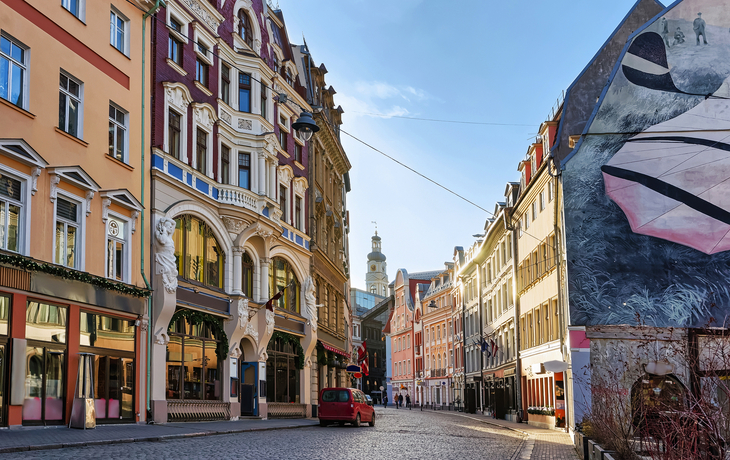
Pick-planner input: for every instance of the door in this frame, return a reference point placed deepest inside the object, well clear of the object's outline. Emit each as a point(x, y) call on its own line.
point(2, 385)
point(500, 402)
point(248, 388)
point(44, 390)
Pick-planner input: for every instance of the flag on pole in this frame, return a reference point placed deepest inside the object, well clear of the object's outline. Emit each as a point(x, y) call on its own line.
point(277, 296)
point(494, 347)
point(362, 358)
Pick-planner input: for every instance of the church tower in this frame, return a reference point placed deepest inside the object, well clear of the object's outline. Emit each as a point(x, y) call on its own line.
point(376, 280)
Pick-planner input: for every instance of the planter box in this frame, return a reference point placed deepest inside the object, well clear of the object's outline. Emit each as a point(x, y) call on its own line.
point(542, 421)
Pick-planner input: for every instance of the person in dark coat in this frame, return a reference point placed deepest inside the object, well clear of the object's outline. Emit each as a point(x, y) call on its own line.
point(678, 36)
point(385, 401)
point(408, 401)
point(400, 400)
point(699, 27)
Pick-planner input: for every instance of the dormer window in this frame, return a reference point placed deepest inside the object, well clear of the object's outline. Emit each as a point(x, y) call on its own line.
point(533, 164)
point(244, 28)
point(289, 78)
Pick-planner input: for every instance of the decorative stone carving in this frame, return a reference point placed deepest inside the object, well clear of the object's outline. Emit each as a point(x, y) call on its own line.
point(246, 124)
point(177, 96)
point(311, 302)
point(135, 214)
point(235, 351)
point(242, 312)
point(236, 23)
point(257, 46)
point(34, 174)
point(252, 332)
point(276, 214)
point(144, 324)
point(165, 253)
point(204, 116)
point(55, 180)
point(89, 197)
point(269, 321)
point(105, 203)
point(200, 12)
point(161, 338)
point(286, 174)
point(225, 116)
point(300, 185)
point(234, 225)
point(263, 232)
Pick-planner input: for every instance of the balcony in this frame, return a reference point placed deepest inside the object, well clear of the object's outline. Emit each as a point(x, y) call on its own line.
point(439, 372)
point(241, 197)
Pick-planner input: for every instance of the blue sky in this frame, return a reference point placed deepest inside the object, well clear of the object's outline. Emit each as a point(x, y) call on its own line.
point(477, 61)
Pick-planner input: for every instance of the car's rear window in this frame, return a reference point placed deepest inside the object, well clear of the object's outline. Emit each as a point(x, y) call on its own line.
point(336, 396)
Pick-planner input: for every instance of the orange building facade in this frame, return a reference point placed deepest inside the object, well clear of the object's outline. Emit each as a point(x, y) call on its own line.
point(71, 208)
point(438, 338)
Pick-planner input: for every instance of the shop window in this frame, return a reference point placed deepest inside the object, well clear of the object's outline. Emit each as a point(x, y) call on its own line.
point(282, 372)
point(4, 314)
point(199, 256)
point(45, 365)
point(193, 368)
point(282, 277)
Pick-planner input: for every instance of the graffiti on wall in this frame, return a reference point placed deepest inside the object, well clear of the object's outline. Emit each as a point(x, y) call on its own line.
point(647, 193)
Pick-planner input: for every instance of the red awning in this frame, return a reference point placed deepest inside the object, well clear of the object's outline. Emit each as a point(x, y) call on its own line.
point(334, 350)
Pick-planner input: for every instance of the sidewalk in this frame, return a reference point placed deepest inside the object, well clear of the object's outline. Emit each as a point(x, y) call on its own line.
point(539, 443)
point(23, 439)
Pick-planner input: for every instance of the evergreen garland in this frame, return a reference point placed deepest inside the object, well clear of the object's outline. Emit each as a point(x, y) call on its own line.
point(294, 341)
point(215, 324)
point(29, 264)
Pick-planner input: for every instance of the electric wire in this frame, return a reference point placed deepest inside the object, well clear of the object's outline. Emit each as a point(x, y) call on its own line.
point(485, 123)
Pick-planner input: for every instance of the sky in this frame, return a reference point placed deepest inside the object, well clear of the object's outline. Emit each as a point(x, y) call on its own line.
point(475, 61)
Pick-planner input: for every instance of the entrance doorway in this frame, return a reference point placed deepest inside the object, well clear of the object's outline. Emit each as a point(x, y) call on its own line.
point(249, 394)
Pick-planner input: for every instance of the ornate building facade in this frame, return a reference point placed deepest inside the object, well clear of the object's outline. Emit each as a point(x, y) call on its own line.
point(230, 194)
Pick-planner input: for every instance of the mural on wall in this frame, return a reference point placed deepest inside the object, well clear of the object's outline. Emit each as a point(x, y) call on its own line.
point(647, 193)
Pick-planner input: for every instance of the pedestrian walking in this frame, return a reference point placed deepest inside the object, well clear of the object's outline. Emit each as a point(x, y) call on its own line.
point(385, 401)
point(400, 400)
point(699, 27)
point(408, 401)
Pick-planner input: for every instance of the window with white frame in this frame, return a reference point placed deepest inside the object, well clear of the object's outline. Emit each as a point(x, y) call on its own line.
point(13, 71)
point(550, 190)
point(298, 216)
point(283, 203)
point(68, 234)
point(201, 150)
point(244, 170)
point(542, 201)
point(11, 212)
point(117, 249)
point(534, 210)
point(118, 121)
point(119, 31)
point(75, 7)
point(70, 105)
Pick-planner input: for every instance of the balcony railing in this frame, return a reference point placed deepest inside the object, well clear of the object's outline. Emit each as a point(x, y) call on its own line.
point(439, 372)
point(237, 196)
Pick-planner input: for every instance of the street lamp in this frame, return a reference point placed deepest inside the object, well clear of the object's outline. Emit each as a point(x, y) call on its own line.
point(305, 125)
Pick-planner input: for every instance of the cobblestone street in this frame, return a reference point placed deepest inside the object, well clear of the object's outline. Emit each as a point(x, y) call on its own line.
point(398, 434)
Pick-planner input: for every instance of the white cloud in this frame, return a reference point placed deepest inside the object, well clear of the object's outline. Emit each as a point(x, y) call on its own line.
point(379, 99)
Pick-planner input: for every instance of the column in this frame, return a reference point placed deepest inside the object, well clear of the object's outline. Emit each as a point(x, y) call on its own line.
point(254, 173)
point(272, 182)
point(264, 290)
point(262, 174)
point(237, 279)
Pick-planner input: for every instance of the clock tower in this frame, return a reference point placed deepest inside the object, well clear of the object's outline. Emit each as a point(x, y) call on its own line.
point(376, 280)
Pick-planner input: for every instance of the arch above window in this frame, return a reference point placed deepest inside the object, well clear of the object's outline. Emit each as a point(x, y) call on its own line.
point(199, 256)
point(282, 277)
point(247, 28)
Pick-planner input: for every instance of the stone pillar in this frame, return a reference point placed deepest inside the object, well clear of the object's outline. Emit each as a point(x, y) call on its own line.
point(262, 174)
point(272, 182)
point(265, 262)
point(237, 277)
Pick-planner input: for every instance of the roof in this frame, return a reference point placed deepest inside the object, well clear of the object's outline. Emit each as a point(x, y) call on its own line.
point(424, 275)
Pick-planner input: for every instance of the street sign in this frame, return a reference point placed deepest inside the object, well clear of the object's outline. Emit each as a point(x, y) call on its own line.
point(381, 388)
point(357, 375)
point(353, 368)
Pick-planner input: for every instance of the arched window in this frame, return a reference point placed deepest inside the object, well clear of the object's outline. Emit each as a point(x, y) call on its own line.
point(244, 28)
point(282, 276)
point(654, 395)
point(247, 275)
point(199, 256)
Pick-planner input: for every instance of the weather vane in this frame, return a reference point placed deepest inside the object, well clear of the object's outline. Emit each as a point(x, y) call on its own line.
point(376, 226)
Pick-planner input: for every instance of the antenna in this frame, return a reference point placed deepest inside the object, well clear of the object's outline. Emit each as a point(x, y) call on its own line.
point(376, 227)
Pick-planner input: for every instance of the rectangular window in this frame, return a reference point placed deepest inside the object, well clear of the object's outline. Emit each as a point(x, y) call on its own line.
point(282, 138)
point(73, 7)
point(11, 205)
point(201, 150)
point(69, 105)
point(298, 213)
point(542, 201)
point(298, 153)
point(117, 133)
point(226, 84)
point(173, 133)
point(201, 72)
point(244, 92)
point(282, 202)
point(225, 172)
point(263, 101)
point(174, 46)
point(116, 249)
point(106, 332)
point(244, 170)
point(534, 210)
point(550, 190)
point(13, 71)
point(45, 322)
point(118, 31)
point(67, 231)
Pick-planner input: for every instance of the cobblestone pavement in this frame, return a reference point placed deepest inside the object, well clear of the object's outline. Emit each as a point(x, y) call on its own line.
point(398, 434)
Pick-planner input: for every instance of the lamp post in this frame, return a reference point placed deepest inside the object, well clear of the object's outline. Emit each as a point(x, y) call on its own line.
point(305, 125)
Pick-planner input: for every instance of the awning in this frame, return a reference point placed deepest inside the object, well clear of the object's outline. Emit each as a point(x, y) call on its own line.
point(334, 350)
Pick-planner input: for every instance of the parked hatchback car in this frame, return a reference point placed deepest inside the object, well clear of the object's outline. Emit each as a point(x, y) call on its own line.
point(344, 405)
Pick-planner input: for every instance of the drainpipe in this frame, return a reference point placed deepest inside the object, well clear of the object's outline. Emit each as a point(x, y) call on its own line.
point(153, 10)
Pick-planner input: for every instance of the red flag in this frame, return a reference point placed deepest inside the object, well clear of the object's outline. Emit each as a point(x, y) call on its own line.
point(277, 296)
point(364, 366)
point(361, 352)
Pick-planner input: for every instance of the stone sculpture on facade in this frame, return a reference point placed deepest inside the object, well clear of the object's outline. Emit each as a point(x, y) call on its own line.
point(269, 322)
point(165, 254)
point(242, 312)
point(311, 302)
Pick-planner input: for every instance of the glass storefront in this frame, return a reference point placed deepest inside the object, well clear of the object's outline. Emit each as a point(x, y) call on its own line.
point(282, 276)
point(4, 315)
point(112, 342)
point(45, 330)
point(193, 369)
point(282, 374)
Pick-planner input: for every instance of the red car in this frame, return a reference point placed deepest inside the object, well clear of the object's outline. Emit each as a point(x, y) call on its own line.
point(344, 405)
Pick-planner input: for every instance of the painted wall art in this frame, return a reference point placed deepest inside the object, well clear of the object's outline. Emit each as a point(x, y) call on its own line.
point(647, 191)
